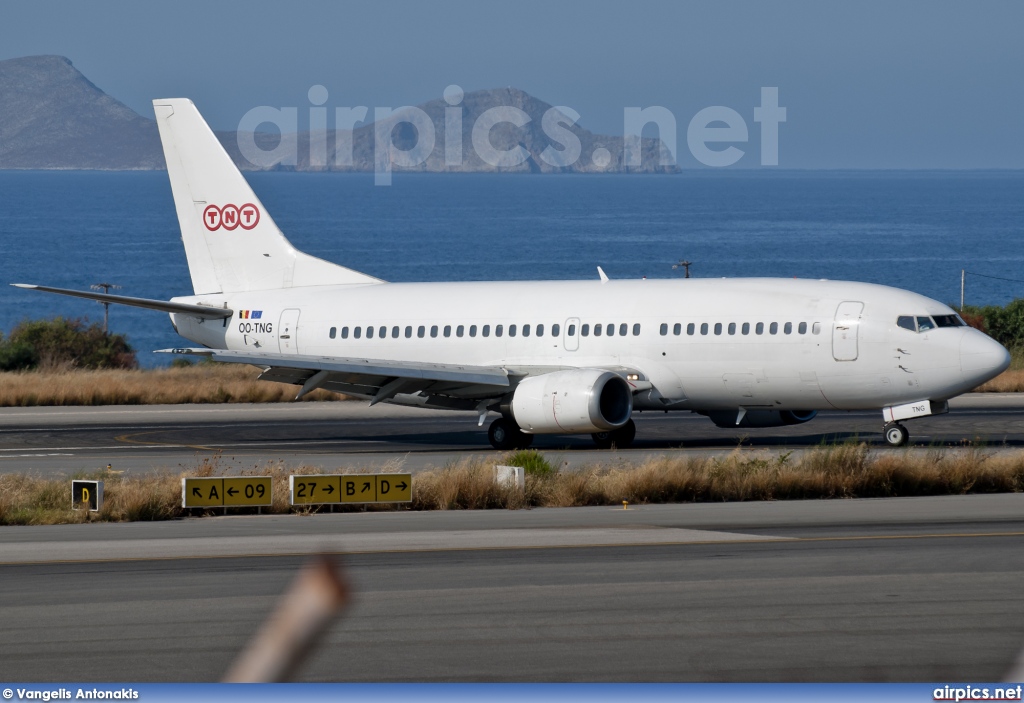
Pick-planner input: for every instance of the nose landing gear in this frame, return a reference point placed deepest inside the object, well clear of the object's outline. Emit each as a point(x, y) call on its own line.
point(896, 435)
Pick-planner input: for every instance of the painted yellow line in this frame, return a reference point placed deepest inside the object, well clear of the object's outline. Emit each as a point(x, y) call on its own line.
point(716, 543)
point(128, 439)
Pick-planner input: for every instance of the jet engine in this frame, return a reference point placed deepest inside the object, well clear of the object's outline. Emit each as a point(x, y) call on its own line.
point(761, 418)
point(573, 401)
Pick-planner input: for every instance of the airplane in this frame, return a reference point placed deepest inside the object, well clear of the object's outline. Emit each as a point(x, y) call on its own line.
point(551, 357)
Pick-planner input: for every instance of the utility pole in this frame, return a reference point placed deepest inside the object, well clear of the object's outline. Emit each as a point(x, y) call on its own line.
point(962, 273)
point(105, 287)
point(685, 265)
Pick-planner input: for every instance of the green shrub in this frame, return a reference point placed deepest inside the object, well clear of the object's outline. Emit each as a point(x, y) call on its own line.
point(1005, 324)
point(56, 343)
point(531, 461)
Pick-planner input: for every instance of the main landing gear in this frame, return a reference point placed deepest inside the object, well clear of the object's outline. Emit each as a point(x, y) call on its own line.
point(621, 438)
point(896, 435)
point(505, 434)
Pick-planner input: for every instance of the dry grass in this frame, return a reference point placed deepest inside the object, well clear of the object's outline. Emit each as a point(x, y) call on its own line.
point(844, 471)
point(1009, 381)
point(202, 383)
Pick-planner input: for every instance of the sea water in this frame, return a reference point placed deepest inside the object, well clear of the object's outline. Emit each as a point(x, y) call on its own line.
point(913, 230)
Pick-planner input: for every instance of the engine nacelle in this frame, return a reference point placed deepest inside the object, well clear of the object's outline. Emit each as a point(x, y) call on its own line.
point(574, 401)
point(761, 418)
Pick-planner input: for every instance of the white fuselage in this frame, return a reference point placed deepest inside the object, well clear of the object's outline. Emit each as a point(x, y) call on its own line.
point(702, 344)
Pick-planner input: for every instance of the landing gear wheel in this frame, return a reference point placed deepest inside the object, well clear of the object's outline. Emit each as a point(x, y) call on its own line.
point(504, 435)
point(896, 435)
point(621, 438)
point(602, 440)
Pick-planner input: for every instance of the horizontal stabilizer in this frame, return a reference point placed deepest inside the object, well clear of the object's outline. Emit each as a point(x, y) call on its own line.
point(458, 373)
point(203, 311)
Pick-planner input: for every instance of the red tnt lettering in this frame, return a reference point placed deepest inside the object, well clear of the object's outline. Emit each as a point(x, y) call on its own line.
point(229, 217)
point(212, 217)
point(249, 216)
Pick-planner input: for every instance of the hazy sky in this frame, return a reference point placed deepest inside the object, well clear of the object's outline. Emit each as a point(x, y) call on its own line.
point(866, 84)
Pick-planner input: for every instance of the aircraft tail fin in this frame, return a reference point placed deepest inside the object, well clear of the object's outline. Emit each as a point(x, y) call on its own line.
point(231, 242)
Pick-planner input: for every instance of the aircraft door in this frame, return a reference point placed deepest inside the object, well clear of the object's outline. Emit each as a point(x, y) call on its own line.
point(845, 330)
point(287, 332)
point(571, 334)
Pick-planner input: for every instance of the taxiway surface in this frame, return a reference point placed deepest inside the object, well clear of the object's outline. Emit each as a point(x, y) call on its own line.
point(916, 589)
point(64, 440)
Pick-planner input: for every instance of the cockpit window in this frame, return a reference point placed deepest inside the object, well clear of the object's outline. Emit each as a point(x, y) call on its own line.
point(948, 321)
point(906, 322)
point(924, 324)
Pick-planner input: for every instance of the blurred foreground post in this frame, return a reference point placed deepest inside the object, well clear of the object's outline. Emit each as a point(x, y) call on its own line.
point(302, 615)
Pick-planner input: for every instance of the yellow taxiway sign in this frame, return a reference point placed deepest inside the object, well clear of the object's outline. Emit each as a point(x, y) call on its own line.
point(350, 488)
point(236, 491)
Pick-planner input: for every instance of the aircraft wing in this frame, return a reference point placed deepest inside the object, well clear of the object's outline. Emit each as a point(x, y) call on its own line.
point(444, 385)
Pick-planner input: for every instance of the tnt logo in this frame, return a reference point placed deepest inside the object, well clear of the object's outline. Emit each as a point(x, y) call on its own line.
point(230, 217)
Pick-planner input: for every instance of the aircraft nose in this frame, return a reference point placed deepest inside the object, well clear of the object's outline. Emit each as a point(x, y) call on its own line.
point(982, 357)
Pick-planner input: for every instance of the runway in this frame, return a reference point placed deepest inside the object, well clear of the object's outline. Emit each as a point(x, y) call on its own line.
point(916, 589)
point(142, 438)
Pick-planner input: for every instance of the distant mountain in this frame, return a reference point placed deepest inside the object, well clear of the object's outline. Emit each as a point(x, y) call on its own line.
point(53, 117)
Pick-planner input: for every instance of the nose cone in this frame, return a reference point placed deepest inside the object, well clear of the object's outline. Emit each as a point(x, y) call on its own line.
point(982, 357)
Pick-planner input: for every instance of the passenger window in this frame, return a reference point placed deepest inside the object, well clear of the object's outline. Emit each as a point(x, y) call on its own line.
point(394, 332)
point(636, 329)
point(773, 328)
point(369, 332)
point(498, 330)
point(663, 330)
point(677, 329)
point(555, 329)
point(487, 330)
point(447, 330)
point(526, 330)
point(597, 330)
point(334, 332)
point(690, 328)
point(611, 330)
point(585, 330)
point(570, 332)
point(357, 332)
point(408, 331)
point(622, 330)
point(718, 328)
point(511, 330)
point(732, 328)
point(906, 322)
point(816, 328)
point(759, 328)
point(472, 330)
point(746, 328)
point(788, 329)
point(540, 330)
point(382, 332)
point(421, 331)
point(703, 328)
point(344, 332)
point(460, 330)
point(924, 324)
point(802, 329)
point(433, 330)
